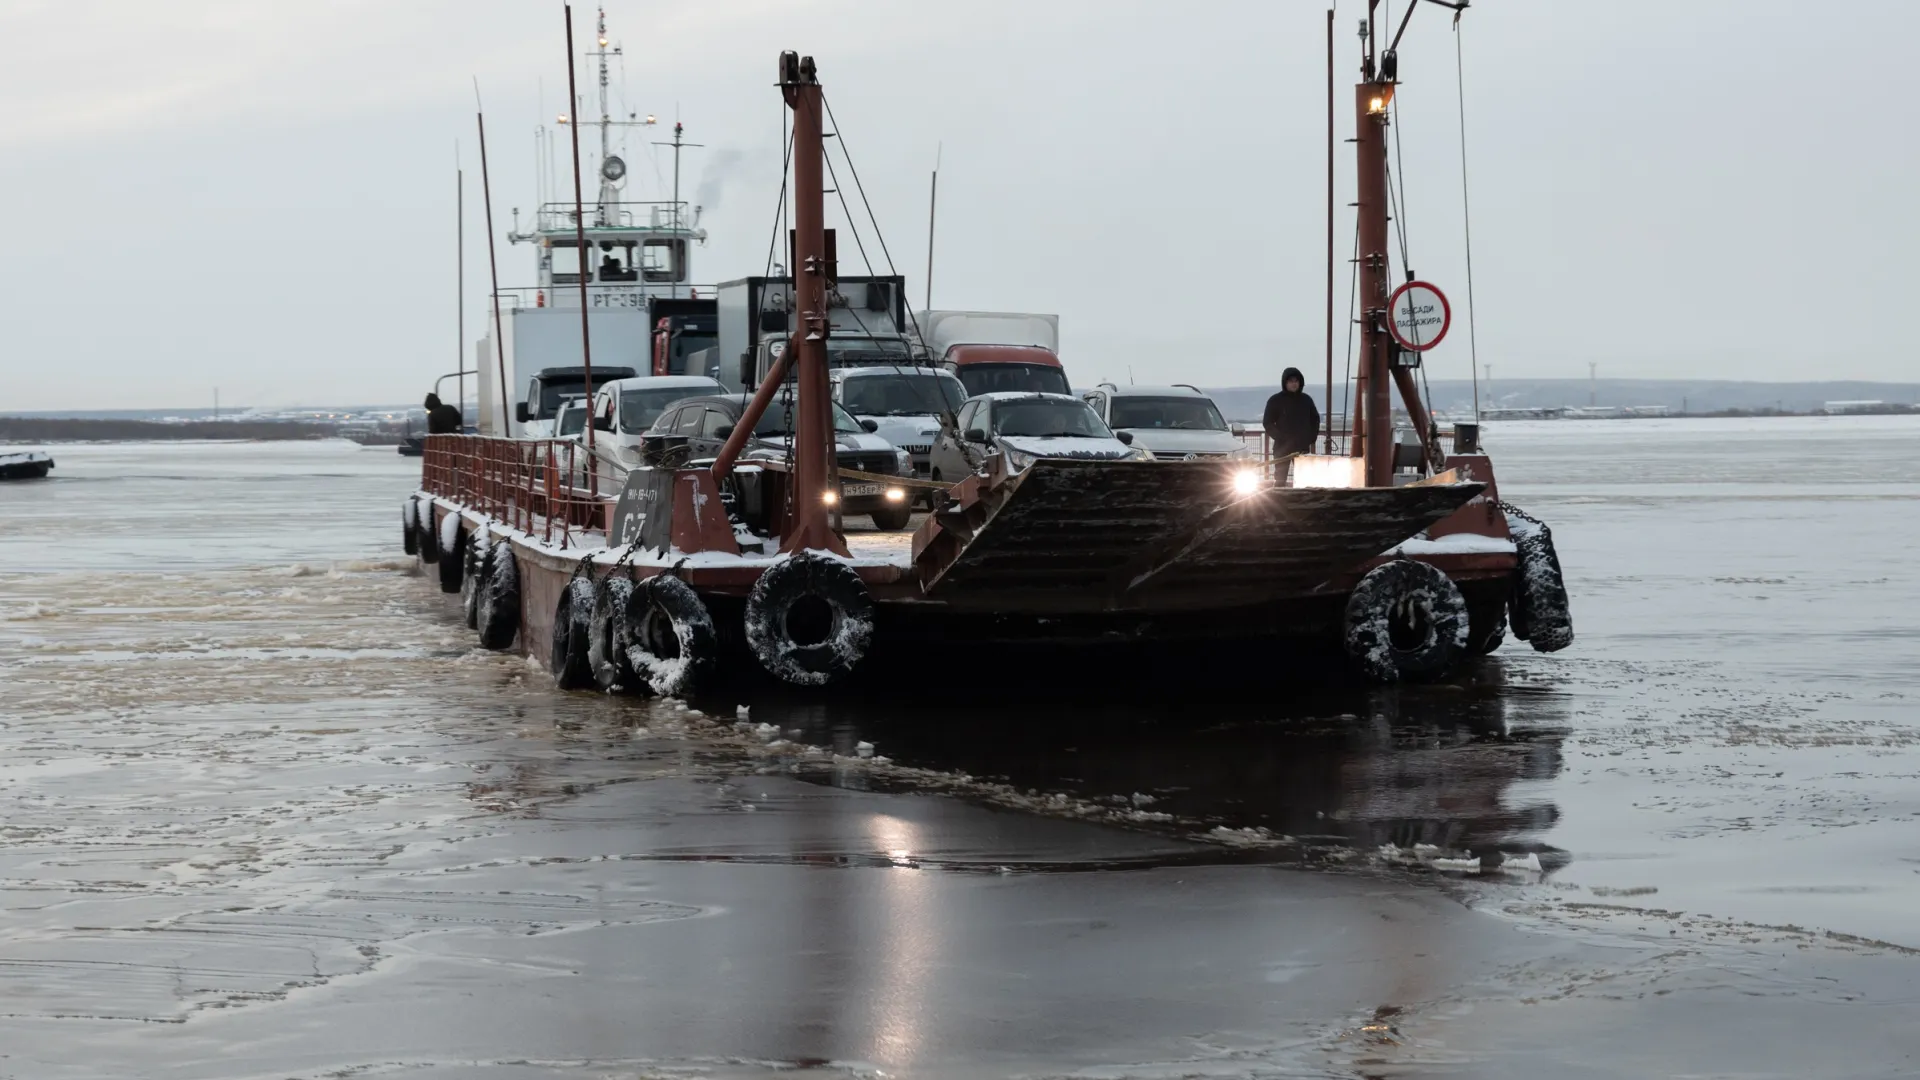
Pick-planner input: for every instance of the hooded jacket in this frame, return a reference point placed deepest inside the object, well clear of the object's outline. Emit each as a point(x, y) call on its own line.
point(442, 419)
point(1292, 420)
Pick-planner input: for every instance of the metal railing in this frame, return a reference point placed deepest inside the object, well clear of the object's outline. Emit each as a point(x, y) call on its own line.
point(542, 487)
point(568, 296)
point(657, 214)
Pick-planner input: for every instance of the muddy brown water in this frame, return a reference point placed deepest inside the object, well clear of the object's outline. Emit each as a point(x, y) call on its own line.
point(266, 812)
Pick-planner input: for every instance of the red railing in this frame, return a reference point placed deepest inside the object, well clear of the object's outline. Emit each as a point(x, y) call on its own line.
point(543, 487)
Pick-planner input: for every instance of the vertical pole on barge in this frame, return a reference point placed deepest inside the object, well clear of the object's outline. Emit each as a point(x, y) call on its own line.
point(580, 242)
point(813, 434)
point(1328, 405)
point(933, 204)
point(493, 270)
point(460, 284)
point(1371, 98)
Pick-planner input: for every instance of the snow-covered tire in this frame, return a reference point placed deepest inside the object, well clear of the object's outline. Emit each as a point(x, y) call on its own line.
point(1538, 609)
point(409, 539)
point(1405, 620)
point(453, 557)
point(498, 614)
point(424, 531)
point(612, 671)
point(1487, 628)
point(568, 657)
point(479, 569)
point(668, 637)
point(827, 641)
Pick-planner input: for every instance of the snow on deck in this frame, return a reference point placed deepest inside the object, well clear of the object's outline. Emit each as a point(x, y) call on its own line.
point(1453, 544)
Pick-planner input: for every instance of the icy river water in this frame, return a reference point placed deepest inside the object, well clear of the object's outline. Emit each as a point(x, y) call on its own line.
point(265, 811)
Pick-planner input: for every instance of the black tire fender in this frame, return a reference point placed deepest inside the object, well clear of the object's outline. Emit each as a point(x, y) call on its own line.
point(568, 658)
point(845, 633)
point(498, 614)
point(612, 671)
point(453, 560)
point(479, 570)
point(426, 533)
point(409, 539)
point(1488, 628)
point(1539, 609)
point(668, 637)
point(893, 518)
point(1405, 620)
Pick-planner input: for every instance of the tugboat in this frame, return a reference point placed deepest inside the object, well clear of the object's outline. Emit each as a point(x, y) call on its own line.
point(702, 574)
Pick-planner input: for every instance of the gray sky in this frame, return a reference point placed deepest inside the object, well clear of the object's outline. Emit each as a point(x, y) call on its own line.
point(259, 196)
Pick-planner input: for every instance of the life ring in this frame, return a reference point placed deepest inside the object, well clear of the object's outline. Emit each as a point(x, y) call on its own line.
point(479, 569)
point(409, 539)
point(568, 658)
point(668, 636)
point(612, 671)
point(498, 614)
point(1405, 620)
point(453, 557)
point(1538, 608)
point(809, 620)
point(425, 531)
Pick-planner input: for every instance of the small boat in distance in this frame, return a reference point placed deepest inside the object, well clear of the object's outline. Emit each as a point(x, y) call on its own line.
point(27, 466)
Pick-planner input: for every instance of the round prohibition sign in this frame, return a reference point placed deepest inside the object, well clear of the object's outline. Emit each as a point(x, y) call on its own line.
point(1418, 316)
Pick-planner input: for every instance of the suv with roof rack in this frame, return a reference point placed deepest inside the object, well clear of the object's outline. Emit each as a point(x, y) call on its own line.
point(1178, 422)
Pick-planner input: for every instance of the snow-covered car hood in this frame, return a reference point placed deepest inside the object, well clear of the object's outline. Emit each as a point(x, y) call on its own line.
point(1173, 442)
point(1066, 446)
point(906, 430)
point(841, 439)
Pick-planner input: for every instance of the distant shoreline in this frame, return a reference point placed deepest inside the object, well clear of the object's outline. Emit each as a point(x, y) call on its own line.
point(14, 429)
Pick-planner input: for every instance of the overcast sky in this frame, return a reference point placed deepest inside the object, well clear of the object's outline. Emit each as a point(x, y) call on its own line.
point(259, 195)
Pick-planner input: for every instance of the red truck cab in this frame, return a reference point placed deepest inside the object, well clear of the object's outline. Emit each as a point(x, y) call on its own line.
point(992, 369)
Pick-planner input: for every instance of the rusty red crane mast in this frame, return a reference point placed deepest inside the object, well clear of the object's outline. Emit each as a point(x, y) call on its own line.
point(1381, 359)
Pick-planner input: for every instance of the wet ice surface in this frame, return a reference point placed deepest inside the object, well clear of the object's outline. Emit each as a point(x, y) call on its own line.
point(265, 812)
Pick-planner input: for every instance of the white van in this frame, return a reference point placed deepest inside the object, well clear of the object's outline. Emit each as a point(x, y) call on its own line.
point(625, 408)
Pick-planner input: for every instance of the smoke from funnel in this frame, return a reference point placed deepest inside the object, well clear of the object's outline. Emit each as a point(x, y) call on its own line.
point(722, 166)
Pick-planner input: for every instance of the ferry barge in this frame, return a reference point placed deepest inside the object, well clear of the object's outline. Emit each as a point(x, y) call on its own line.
point(690, 575)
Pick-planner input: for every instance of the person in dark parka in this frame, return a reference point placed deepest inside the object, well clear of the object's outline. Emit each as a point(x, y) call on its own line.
point(442, 419)
point(1292, 420)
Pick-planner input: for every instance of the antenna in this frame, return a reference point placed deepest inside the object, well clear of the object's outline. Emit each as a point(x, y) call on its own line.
point(678, 142)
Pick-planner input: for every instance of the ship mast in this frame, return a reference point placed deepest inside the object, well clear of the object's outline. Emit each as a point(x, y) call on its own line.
point(609, 195)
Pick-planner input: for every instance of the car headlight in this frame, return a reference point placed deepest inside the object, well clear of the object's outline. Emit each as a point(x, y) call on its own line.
point(1139, 453)
point(1019, 460)
point(903, 461)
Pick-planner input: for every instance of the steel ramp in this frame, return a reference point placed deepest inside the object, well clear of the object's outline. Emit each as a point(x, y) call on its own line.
point(1083, 536)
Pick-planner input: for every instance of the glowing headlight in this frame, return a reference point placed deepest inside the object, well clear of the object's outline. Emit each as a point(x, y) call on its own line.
point(1246, 481)
point(830, 497)
point(896, 494)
